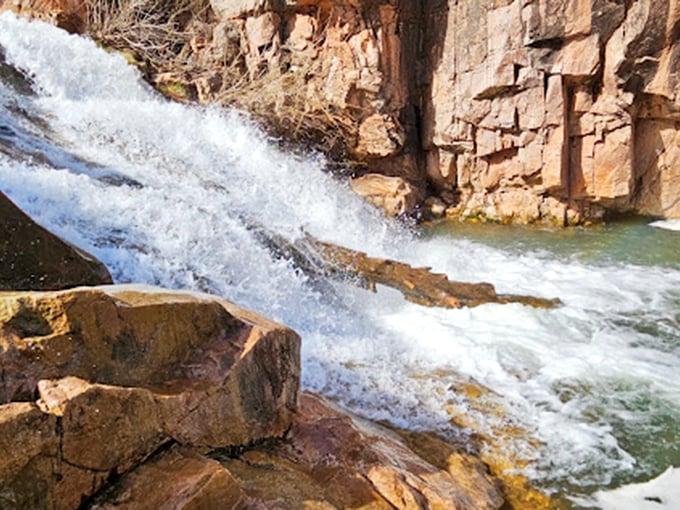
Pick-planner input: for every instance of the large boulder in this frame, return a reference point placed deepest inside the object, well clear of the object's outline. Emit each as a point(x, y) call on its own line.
point(31, 258)
point(119, 373)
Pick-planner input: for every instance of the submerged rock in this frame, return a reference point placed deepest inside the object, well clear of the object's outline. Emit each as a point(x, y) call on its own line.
point(420, 285)
point(31, 258)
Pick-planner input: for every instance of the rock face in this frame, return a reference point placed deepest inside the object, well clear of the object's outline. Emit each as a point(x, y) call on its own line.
point(511, 110)
point(164, 400)
point(556, 110)
point(118, 374)
point(31, 258)
point(328, 460)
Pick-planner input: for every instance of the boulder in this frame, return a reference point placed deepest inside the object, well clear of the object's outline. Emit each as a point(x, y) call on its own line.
point(31, 258)
point(394, 195)
point(329, 459)
point(119, 373)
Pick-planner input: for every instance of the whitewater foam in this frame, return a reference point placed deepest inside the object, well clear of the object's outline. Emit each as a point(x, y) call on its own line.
point(667, 224)
point(574, 378)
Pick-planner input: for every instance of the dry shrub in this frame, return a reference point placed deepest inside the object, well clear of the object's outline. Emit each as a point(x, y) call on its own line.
point(290, 103)
point(154, 30)
point(158, 33)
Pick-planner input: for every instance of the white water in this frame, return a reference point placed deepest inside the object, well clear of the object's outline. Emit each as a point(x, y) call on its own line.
point(667, 224)
point(585, 379)
point(661, 493)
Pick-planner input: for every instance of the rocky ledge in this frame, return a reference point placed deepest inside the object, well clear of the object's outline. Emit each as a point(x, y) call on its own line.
point(113, 397)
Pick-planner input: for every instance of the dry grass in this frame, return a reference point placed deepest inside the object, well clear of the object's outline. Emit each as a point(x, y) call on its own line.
point(156, 32)
point(289, 104)
point(152, 29)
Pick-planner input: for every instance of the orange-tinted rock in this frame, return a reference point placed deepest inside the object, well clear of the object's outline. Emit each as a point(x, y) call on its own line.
point(576, 78)
point(333, 460)
point(31, 258)
point(177, 478)
point(70, 15)
point(393, 194)
point(194, 370)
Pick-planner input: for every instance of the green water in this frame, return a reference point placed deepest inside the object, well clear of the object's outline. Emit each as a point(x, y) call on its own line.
point(645, 423)
point(630, 241)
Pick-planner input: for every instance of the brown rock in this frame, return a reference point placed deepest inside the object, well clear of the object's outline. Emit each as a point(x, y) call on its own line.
point(333, 460)
point(31, 258)
point(379, 136)
point(70, 15)
point(177, 478)
point(393, 194)
point(25, 433)
point(592, 69)
point(197, 371)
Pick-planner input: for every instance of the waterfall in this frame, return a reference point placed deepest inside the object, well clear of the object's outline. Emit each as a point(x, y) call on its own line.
point(166, 194)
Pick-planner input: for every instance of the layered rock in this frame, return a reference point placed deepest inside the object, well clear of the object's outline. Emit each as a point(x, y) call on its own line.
point(555, 110)
point(119, 373)
point(31, 258)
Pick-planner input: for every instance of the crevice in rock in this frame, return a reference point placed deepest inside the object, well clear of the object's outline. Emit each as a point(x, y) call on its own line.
point(108, 490)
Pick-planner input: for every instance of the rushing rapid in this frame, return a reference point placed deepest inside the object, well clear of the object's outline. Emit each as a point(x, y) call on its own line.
point(168, 194)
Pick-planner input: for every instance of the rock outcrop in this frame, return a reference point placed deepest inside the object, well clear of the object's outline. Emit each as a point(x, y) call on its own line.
point(31, 258)
point(119, 373)
point(555, 110)
point(329, 459)
point(164, 400)
point(515, 110)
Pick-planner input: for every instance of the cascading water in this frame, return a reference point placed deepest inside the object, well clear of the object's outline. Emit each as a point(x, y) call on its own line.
point(167, 194)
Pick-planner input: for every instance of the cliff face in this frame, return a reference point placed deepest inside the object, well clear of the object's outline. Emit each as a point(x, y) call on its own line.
point(557, 109)
point(524, 110)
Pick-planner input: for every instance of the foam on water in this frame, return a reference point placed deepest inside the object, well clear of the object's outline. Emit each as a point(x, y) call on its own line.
point(662, 492)
point(589, 380)
point(667, 224)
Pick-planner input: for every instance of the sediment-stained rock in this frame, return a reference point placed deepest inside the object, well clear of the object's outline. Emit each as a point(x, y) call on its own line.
point(31, 258)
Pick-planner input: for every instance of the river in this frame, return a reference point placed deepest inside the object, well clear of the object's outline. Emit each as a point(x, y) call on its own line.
point(166, 194)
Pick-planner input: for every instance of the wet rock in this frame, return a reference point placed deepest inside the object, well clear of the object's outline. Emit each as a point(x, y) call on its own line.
point(329, 459)
point(31, 258)
point(417, 284)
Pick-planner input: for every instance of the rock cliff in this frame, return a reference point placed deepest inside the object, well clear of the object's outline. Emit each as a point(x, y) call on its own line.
point(555, 109)
point(525, 110)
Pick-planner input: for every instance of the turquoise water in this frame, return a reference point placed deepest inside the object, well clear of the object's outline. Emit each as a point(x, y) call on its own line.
point(630, 241)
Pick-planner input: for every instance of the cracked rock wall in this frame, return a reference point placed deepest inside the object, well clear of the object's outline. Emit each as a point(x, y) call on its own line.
point(555, 110)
